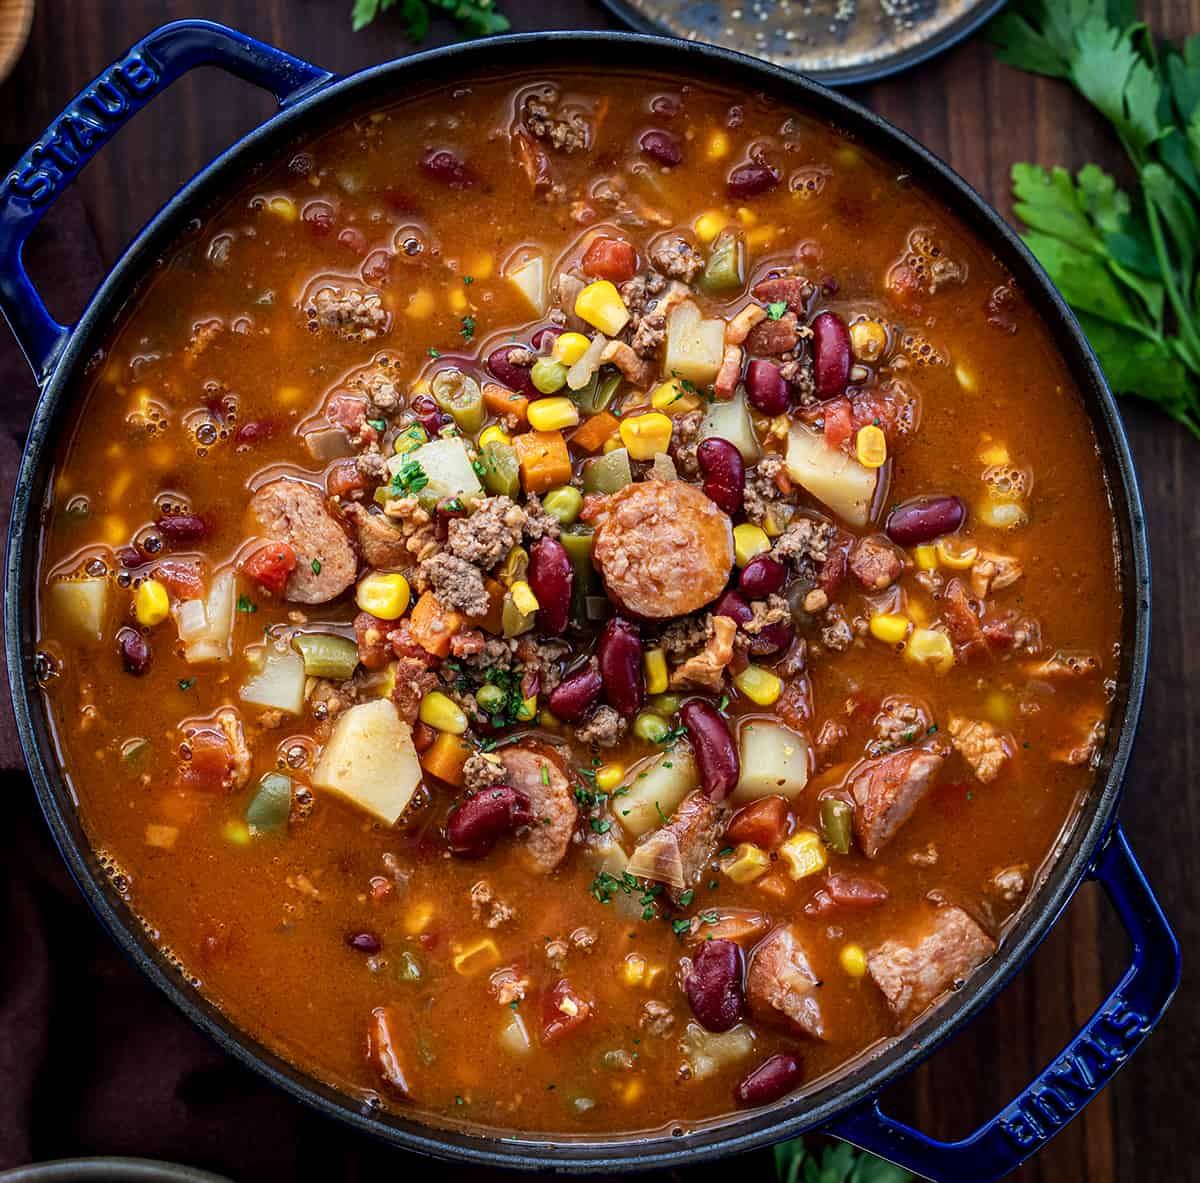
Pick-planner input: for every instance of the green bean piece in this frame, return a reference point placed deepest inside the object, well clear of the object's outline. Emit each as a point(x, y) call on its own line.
point(501, 469)
point(666, 705)
point(608, 473)
point(837, 819)
point(598, 393)
point(513, 621)
point(458, 394)
point(268, 810)
point(326, 655)
point(723, 271)
point(650, 727)
point(563, 504)
point(490, 698)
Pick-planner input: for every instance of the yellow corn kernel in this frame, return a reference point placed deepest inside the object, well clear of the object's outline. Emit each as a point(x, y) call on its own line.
point(385, 596)
point(718, 145)
point(458, 301)
point(655, 665)
point(420, 304)
point(761, 236)
point(746, 863)
point(926, 556)
point(998, 707)
point(151, 605)
point(552, 414)
point(469, 960)
point(600, 304)
point(286, 395)
point(523, 598)
point(631, 1094)
point(749, 541)
point(646, 435)
point(417, 918)
point(612, 443)
point(930, 647)
point(236, 831)
point(853, 960)
point(758, 685)
point(483, 266)
point(868, 340)
point(671, 398)
point(609, 776)
point(746, 216)
point(569, 348)
point(633, 969)
point(804, 854)
point(495, 434)
point(956, 555)
point(442, 713)
point(281, 207)
point(889, 627)
point(966, 379)
point(708, 226)
point(871, 446)
point(528, 709)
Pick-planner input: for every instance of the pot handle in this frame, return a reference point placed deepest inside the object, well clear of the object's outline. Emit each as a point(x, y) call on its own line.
point(1077, 1073)
point(89, 121)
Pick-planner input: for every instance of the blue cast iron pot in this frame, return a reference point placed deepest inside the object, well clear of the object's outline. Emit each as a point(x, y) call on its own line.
point(1092, 847)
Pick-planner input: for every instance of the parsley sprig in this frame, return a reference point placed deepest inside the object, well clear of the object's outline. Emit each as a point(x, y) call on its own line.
point(1127, 264)
point(474, 18)
point(834, 1162)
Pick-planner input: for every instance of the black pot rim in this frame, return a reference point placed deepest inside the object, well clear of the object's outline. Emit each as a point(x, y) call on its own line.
point(108, 1170)
point(742, 1131)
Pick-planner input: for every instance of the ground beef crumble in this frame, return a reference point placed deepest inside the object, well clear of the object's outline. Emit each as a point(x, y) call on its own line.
point(544, 119)
point(488, 534)
point(605, 728)
point(686, 635)
point(482, 770)
point(806, 538)
point(455, 583)
point(487, 909)
point(674, 256)
point(762, 488)
point(353, 314)
point(685, 438)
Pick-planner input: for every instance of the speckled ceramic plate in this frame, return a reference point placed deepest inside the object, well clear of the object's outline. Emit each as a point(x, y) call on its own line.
point(838, 42)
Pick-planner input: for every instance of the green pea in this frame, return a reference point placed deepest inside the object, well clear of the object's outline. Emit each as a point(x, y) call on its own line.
point(563, 504)
point(837, 818)
point(650, 727)
point(666, 704)
point(548, 375)
point(491, 698)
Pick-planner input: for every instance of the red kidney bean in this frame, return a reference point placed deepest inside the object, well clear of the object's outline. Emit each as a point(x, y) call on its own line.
point(716, 753)
point(724, 473)
point(255, 431)
point(714, 987)
point(572, 698)
point(662, 147)
point(772, 1079)
point(925, 518)
point(772, 638)
point(766, 388)
point(429, 415)
point(317, 217)
point(619, 652)
point(545, 336)
point(761, 577)
point(364, 942)
point(831, 355)
point(733, 605)
point(749, 180)
point(178, 529)
point(135, 651)
point(515, 377)
point(444, 166)
point(482, 820)
point(551, 577)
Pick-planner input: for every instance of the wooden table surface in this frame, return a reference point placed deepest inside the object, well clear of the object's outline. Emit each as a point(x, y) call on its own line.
point(980, 117)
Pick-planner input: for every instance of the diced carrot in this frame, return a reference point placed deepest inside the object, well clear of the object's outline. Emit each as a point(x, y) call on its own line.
point(445, 757)
point(344, 479)
point(544, 459)
point(492, 621)
point(776, 884)
point(595, 432)
point(432, 626)
point(501, 401)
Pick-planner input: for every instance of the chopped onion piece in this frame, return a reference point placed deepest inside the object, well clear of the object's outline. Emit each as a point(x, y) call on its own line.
point(581, 372)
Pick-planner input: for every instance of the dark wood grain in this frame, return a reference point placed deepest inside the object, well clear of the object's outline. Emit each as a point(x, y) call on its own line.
point(981, 117)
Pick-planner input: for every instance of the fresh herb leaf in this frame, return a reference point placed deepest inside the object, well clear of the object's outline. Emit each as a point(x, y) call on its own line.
point(434, 353)
point(468, 328)
point(474, 18)
point(776, 309)
point(186, 683)
point(833, 1162)
point(316, 566)
point(380, 425)
point(409, 478)
point(246, 604)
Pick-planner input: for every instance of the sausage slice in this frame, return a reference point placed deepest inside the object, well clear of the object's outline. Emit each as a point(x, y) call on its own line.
point(663, 548)
point(541, 780)
point(780, 983)
point(294, 512)
point(888, 789)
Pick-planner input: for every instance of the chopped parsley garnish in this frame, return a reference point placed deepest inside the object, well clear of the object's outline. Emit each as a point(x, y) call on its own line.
point(468, 280)
point(679, 927)
point(434, 353)
point(661, 816)
point(545, 775)
point(601, 825)
point(675, 733)
point(380, 425)
point(723, 705)
point(606, 885)
point(246, 604)
point(409, 478)
point(186, 683)
point(709, 917)
point(724, 851)
point(316, 566)
point(468, 328)
point(776, 309)
point(686, 898)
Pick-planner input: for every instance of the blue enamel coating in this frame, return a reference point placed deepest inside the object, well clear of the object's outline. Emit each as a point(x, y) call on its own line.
point(846, 1105)
point(89, 121)
point(1075, 1076)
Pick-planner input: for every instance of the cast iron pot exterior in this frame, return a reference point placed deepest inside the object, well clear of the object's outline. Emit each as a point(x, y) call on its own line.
point(845, 1104)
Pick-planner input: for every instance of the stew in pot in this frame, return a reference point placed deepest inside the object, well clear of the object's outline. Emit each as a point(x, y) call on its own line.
point(578, 603)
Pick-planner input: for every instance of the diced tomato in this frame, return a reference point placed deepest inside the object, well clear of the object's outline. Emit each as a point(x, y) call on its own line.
point(794, 705)
point(846, 891)
point(183, 579)
point(423, 736)
point(346, 410)
point(839, 421)
point(562, 1011)
point(209, 765)
point(833, 571)
point(254, 432)
point(610, 258)
point(344, 478)
point(270, 566)
point(763, 822)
